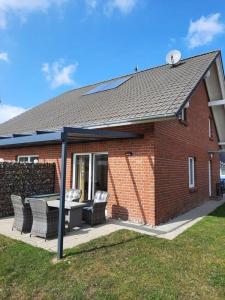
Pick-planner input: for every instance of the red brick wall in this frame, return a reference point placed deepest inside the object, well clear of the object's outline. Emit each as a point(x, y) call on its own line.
point(175, 142)
point(130, 179)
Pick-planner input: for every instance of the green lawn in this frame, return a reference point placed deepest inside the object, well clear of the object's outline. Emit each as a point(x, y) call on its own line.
point(123, 265)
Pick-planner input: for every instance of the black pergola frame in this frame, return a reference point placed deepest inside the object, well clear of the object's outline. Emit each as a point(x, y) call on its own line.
point(63, 136)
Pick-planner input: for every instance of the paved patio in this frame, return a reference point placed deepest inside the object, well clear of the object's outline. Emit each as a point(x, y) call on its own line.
point(86, 233)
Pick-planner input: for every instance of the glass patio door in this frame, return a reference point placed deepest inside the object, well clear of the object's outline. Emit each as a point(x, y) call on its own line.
point(100, 172)
point(90, 173)
point(83, 175)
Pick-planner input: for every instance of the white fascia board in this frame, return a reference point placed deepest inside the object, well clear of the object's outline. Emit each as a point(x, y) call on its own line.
point(218, 106)
point(220, 74)
point(217, 102)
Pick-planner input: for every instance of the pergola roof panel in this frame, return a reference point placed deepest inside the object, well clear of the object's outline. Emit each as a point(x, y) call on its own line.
point(69, 134)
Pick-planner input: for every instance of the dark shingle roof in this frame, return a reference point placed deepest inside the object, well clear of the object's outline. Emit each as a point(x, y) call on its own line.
point(151, 93)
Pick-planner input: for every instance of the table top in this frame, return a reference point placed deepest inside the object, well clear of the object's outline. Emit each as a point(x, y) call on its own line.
point(68, 204)
point(55, 195)
point(53, 200)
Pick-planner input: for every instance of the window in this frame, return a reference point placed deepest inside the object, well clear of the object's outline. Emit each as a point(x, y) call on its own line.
point(191, 171)
point(222, 170)
point(90, 173)
point(184, 114)
point(108, 86)
point(210, 128)
point(27, 158)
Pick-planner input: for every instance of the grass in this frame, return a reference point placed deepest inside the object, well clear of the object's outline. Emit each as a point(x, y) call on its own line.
point(123, 265)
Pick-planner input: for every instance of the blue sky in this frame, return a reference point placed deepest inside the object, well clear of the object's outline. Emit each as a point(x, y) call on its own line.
point(50, 46)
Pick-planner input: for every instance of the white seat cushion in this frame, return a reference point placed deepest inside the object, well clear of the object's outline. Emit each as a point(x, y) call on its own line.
point(101, 196)
point(72, 195)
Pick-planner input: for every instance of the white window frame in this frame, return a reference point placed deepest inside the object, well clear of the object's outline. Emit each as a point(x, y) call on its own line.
point(191, 172)
point(93, 169)
point(75, 171)
point(27, 156)
point(222, 172)
point(183, 114)
point(210, 128)
point(210, 177)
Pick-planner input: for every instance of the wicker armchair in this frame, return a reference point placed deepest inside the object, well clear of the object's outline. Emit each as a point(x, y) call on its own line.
point(23, 216)
point(73, 195)
point(95, 213)
point(45, 219)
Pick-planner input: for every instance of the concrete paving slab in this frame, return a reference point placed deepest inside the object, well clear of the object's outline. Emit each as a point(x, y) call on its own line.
point(176, 226)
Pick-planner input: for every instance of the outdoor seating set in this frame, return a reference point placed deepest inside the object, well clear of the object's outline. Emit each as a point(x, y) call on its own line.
point(39, 214)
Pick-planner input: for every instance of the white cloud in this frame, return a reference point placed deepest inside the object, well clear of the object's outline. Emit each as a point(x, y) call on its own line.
point(124, 6)
point(23, 8)
point(109, 6)
point(57, 74)
point(8, 112)
point(4, 56)
point(204, 30)
point(91, 4)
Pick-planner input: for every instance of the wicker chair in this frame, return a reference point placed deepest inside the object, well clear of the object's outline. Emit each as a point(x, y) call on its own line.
point(95, 213)
point(73, 195)
point(45, 219)
point(23, 216)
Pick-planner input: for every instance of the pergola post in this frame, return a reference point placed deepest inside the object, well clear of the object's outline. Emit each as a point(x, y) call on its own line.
point(61, 228)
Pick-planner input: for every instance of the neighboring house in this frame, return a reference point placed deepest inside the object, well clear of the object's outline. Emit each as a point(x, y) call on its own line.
point(170, 168)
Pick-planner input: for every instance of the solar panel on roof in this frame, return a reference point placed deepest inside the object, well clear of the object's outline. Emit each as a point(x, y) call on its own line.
point(108, 86)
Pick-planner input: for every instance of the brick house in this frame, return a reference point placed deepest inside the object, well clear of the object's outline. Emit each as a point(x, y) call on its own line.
point(168, 124)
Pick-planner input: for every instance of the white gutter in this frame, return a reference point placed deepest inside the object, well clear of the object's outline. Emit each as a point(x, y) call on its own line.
point(133, 122)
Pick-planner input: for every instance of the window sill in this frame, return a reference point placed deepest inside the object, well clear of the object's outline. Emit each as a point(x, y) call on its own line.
point(193, 190)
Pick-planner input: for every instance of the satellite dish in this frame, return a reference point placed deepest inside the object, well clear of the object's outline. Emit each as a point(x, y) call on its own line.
point(173, 57)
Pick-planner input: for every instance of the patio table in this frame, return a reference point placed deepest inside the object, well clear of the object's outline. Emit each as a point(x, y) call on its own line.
point(47, 197)
point(74, 210)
